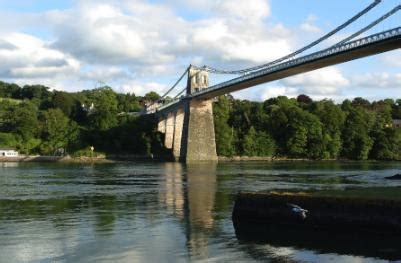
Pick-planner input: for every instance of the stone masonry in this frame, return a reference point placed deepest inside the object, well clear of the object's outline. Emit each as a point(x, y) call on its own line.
point(189, 130)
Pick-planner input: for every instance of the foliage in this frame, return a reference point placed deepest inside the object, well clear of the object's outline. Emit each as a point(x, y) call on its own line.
point(36, 119)
point(223, 132)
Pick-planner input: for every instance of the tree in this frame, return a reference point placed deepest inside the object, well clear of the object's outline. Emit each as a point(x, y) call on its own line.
point(58, 131)
point(304, 99)
point(8, 90)
point(104, 114)
point(8, 140)
point(332, 118)
point(151, 96)
point(39, 92)
point(65, 102)
point(356, 140)
point(128, 103)
point(224, 134)
point(298, 133)
point(358, 101)
point(258, 144)
point(23, 120)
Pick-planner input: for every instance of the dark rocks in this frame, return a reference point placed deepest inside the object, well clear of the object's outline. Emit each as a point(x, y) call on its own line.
point(327, 213)
point(394, 177)
point(358, 226)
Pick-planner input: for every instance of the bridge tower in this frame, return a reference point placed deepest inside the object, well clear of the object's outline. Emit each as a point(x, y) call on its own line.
point(189, 129)
point(199, 138)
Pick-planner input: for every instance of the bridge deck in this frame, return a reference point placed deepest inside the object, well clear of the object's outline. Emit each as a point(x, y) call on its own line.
point(371, 45)
point(368, 46)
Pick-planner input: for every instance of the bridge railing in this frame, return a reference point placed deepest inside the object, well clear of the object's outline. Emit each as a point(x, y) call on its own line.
point(166, 105)
point(320, 54)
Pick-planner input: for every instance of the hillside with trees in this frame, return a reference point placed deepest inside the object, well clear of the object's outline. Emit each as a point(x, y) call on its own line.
point(37, 120)
point(302, 128)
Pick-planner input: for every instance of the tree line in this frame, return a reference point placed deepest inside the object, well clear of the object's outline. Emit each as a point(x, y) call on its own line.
point(37, 120)
point(303, 128)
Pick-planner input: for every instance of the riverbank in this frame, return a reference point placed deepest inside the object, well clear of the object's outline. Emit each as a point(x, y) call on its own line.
point(112, 158)
point(258, 158)
point(62, 159)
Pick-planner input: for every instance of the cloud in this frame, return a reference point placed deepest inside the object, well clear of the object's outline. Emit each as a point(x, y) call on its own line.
point(326, 81)
point(251, 10)
point(5, 45)
point(142, 88)
point(271, 92)
point(30, 57)
point(393, 59)
point(309, 26)
point(137, 45)
point(377, 80)
point(150, 39)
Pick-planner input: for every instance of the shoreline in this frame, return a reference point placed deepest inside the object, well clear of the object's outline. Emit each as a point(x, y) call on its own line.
point(129, 158)
point(61, 159)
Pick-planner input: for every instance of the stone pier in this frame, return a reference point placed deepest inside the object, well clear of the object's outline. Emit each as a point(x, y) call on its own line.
point(189, 129)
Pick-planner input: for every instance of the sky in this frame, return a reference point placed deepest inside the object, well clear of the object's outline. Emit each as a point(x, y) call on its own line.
point(138, 46)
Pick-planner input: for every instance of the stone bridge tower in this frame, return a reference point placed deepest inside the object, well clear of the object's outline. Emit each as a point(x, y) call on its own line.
point(189, 129)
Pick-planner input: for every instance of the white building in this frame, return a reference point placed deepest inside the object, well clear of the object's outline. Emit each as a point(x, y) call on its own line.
point(8, 152)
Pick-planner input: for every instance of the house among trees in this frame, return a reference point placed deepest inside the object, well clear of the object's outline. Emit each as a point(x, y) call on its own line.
point(8, 152)
point(397, 123)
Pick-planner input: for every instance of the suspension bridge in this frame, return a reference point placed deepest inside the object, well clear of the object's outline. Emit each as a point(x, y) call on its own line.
point(187, 119)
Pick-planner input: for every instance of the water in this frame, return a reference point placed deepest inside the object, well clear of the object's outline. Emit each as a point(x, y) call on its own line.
point(158, 212)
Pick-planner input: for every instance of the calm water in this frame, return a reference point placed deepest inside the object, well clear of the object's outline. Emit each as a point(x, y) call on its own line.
point(156, 212)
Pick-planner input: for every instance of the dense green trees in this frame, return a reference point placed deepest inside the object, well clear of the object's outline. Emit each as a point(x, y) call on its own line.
point(35, 119)
point(302, 128)
point(223, 132)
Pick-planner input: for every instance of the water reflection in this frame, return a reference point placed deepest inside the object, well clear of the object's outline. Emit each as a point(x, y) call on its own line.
point(155, 212)
point(324, 242)
point(173, 197)
point(193, 202)
point(9, 164)
point(201, 190)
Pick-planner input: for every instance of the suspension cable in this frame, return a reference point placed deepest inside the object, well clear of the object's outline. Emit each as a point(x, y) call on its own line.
point(175, 84)
point(179, 94)
point(374, 23)
point(314, 43)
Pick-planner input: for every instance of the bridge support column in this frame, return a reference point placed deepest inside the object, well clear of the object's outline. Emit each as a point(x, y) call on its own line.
point(189, 127)
point(199, 138)
point(178, 129)
point(169, 135)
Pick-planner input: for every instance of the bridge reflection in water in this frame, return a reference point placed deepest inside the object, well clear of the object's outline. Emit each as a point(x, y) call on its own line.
point(190, 196)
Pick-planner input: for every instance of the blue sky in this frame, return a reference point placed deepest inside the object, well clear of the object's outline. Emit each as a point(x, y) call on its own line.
point(138, 45)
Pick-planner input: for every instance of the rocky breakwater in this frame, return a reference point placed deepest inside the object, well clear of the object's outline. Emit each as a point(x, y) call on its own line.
point(359, 226)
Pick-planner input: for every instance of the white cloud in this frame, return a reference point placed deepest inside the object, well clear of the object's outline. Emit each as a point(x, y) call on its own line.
point(309, 25)
point(251, 10)
point(327, 81)
point(142, 88)
point(30, 57)
point(134, 44)
point(392, 59)
point(271, 92)
point(377, 80)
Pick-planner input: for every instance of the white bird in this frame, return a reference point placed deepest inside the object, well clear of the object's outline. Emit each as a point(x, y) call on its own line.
point(299, 211)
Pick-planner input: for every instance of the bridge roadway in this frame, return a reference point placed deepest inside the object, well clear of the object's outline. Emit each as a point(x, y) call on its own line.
point(363, 47)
